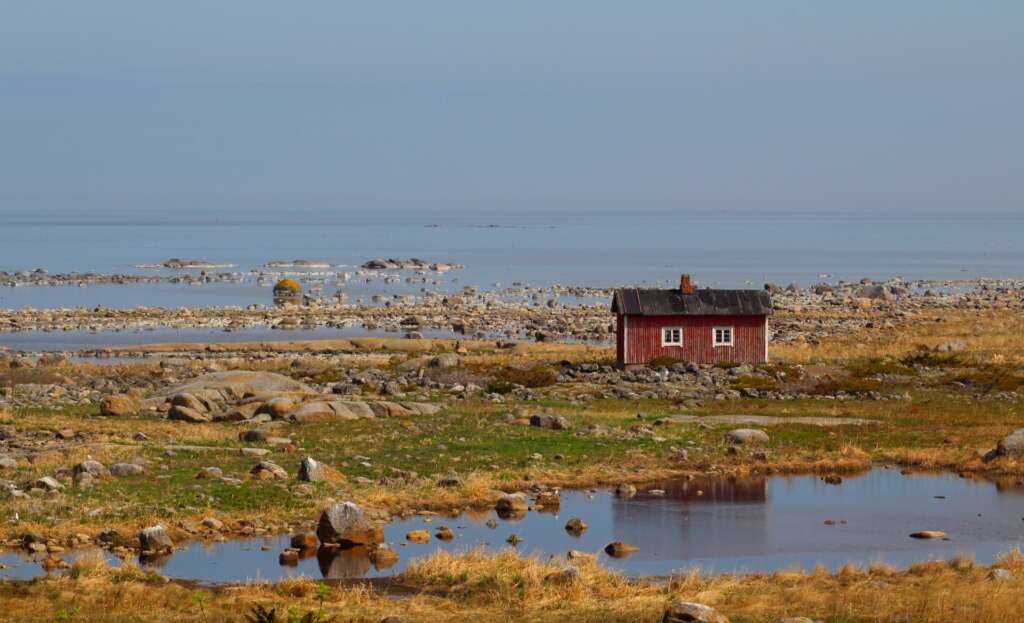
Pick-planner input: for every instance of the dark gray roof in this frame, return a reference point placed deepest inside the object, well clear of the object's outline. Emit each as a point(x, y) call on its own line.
point(706, 302)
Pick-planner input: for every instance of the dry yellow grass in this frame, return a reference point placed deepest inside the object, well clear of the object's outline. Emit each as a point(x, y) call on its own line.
point(988, 336)
point(507, 587)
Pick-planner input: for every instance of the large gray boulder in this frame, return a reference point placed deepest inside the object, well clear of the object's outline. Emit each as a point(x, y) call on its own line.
point(689, 612)
point(347, 525)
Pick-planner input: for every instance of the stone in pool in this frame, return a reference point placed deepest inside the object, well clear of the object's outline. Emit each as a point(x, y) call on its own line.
point(345, 524)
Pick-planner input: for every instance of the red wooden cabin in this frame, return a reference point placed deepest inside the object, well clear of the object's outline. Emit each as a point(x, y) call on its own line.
point(698, 326)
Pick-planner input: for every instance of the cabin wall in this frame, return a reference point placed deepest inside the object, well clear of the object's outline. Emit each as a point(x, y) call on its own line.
point(619, 340)
point(641, 341)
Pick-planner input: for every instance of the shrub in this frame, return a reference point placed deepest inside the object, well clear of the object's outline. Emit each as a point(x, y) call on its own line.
point(532, 377)
point(759, 383)
point(849, 385)
point(988, 379)
point(931, 359)
point(863, 368)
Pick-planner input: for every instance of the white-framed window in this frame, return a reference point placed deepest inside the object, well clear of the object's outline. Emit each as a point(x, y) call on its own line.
point(722, 336)
point(671, 336)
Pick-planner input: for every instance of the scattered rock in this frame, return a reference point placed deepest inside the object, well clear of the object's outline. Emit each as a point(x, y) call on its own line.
point(119, 405)
point(746, 436)
point(689, 612)
point(312, 470)
point(268, 470)
point(155, 539)
point(928, 534)
point(618, 549)
point(625, 490)
point(346, 524)
point(512, 504)
point(575, 526)
point(552, 422)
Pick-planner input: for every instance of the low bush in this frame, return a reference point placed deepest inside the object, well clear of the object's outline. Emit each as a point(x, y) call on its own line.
point(533, 377)
point(863, 368)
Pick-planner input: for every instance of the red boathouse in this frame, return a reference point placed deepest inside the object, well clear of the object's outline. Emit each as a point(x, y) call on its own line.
point(693, 325)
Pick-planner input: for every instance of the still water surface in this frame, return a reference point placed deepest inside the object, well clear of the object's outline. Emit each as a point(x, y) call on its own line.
point(718, 525)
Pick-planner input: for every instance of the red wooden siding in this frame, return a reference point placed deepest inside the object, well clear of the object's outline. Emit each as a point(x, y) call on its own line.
point(638, 339)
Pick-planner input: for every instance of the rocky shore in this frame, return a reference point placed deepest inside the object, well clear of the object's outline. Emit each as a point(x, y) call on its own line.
point(525, 313)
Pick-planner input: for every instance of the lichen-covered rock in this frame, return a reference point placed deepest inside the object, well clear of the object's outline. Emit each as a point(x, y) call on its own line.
point(312, 470)
point(155, 539)
point(119, 405)
point(347, 525)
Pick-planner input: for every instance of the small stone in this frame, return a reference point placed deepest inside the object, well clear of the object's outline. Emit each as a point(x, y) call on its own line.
point(625, 490)
point(928, 534)
point(618, 549)
point(576, 526)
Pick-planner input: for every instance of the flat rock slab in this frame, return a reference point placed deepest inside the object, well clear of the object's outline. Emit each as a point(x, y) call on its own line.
point(768, 420)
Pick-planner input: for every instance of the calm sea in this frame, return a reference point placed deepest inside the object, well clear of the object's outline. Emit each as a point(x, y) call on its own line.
point(720, 248)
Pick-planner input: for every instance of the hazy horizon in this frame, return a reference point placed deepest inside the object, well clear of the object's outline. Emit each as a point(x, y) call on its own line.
point(337, 108)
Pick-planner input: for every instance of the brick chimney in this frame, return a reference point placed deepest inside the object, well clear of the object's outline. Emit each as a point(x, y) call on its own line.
point(685, 285)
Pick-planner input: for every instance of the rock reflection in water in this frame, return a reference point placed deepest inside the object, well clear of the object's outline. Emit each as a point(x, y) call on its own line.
point(694, 518)
point(338, 564)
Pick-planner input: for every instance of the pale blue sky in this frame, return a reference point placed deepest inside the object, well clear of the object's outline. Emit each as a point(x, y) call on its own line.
point(911, 106)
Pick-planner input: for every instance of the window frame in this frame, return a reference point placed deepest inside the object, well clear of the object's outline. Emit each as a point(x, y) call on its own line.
point(732, 336)
point(665, 330)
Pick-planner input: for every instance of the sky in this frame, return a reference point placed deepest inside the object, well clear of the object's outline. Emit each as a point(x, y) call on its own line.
point(567, 106)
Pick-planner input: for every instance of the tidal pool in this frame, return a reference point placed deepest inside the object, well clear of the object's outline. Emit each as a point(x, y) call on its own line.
point(715, 524)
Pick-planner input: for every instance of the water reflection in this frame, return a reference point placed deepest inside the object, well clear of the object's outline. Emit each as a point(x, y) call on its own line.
point(718, 524)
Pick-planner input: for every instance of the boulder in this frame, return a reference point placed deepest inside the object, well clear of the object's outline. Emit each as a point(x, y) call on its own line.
point(90, 467)
point(48, 483)
point(1012, 445)
point(155, 539)
point(278, 407)
point(418, 536)
point(746, 436)
point(445, 361)
point(255, 435)
point(238, 383)
point(618, 549)
point(126, 469)
point(119, 404)
point(268, 470)
point(689, 612)
point(312, 470)
point(185, 399)
point(512, 504)
point(316, 411)
point(304, 541)
point(185, 414)
point(346, 524)
point(552, 422)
